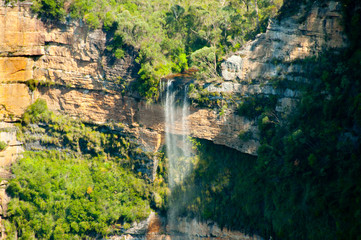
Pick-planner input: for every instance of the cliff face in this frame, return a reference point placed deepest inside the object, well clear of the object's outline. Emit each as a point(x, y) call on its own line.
point(86, 80)
point(279, 54)
point(305, 34)
point(71, 68)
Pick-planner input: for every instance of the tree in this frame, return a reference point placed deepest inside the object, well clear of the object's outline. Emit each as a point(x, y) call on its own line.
point(206, 60)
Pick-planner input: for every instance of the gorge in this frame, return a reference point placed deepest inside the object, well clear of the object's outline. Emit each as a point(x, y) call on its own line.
point(268, 149)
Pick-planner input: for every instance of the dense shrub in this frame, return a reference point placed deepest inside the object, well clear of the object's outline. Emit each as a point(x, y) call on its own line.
point(50, 9)
point(305, 182)
point(307, 170)
point(59, 196)
point(92, 185)
point(34, 111)
point(255, 105)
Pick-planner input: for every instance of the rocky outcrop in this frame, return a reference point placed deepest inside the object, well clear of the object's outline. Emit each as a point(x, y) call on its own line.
point(78, 76)
point(277, 54)
point(67, 54)
point(14, 98)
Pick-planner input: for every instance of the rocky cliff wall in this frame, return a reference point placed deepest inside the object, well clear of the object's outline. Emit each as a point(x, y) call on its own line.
point(78, 76)
point(276, 53)
point(85, 80)
point(280, 53)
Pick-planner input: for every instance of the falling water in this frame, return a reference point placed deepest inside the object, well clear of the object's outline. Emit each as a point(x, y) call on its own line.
point(177, 144)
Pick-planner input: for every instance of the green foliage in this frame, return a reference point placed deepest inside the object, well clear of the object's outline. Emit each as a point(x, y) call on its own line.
point(315, 154)
point(305, 182)
point(34, 111)
point(201, 97)
point(49, 9)
point(119, 53)
point(169, 36)
point(148, 84)
point(205, 60)
point(59, 196)
point(33, 84)
point(93, 185)
point(253, 106)
point(93, 20)
point(3, 145)
point(222, 187)
point(245, 135)
point(57, 131)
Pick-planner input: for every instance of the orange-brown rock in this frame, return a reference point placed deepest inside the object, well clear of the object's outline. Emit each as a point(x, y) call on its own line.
point(21, 33)
point(87, 78)
point(16, 69)
point(192, 229)
point(14, 98)
point(101, 107)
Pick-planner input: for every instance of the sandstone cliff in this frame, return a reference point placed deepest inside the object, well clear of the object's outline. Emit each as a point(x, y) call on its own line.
point(78, 76)
point(72, 70)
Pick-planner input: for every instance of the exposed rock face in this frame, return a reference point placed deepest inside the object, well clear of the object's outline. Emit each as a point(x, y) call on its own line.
point(68, 54)
point(87, 78)
point(20, 34)
point(14, 98)
point(275, 55)
point(111, 106)
point(303, 35)
point(87, 82)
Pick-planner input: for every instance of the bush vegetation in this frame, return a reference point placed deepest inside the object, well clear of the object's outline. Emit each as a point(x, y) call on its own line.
point(304, 184)
point(257, 105)
point(82, 181)
point(57, 195)
point(169, 36)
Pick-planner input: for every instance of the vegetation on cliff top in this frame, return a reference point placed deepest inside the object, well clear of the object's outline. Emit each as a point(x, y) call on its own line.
point(169, 36)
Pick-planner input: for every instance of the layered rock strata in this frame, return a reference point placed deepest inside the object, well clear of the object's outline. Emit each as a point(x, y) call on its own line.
point(86, 80)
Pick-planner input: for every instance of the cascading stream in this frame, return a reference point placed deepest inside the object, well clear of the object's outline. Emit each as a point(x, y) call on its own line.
point(177, 144)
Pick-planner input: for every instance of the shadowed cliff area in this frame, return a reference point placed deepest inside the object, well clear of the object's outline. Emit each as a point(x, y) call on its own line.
point(304, 183)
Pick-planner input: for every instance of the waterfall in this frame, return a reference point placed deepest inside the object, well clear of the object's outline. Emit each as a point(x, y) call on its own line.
point(170, 112)
point(178, 146)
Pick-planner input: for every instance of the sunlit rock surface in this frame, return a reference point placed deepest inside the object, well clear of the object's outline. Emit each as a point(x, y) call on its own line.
point(86, 79)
